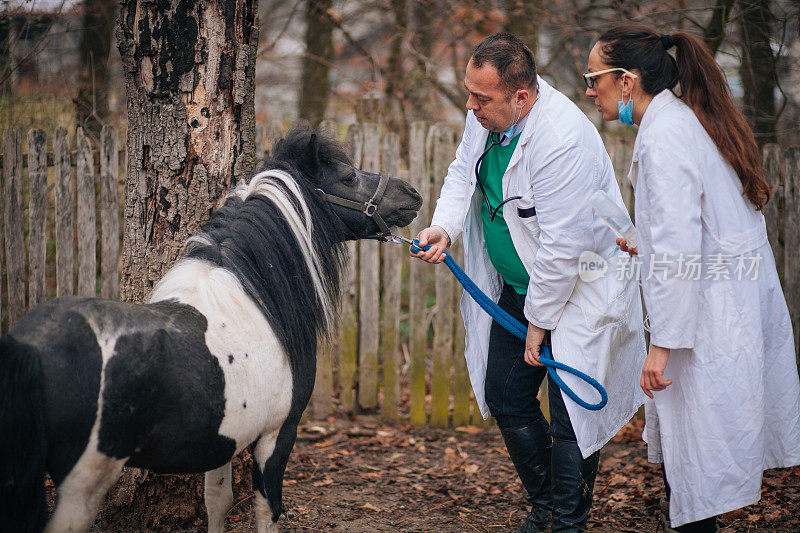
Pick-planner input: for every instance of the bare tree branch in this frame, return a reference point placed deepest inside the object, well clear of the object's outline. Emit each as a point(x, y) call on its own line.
point(714, 33)
point(269, 46)
point(337, 22)
point(454, 98)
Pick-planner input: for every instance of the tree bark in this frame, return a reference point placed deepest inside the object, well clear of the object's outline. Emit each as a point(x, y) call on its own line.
point(189, 78)
point(316, 62)
point(91, 103)
point(758, 69)
point(189, 81)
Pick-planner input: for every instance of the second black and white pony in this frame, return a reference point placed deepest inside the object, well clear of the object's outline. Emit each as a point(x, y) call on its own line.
point(223, 356)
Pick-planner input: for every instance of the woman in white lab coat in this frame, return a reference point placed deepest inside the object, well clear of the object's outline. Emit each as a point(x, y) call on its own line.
point(721, 367)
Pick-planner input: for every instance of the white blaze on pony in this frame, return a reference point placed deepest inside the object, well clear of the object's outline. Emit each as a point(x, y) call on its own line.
point(221, 358)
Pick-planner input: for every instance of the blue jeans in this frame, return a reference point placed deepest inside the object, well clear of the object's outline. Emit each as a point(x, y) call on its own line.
point(511, 384)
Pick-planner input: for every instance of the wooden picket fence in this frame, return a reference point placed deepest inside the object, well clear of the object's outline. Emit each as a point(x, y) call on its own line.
point(55, 197)
point(399, 347)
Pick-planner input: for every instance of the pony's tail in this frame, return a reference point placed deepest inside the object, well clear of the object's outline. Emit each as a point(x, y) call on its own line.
point(23, 445)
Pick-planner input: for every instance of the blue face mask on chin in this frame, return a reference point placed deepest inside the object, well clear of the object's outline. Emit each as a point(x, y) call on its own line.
point(625, 112)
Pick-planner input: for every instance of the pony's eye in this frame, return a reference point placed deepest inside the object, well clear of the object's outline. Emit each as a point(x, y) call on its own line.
point(349, 180)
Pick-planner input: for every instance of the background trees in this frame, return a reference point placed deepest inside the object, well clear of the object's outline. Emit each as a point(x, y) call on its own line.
point(413, 54)
point(317, 57)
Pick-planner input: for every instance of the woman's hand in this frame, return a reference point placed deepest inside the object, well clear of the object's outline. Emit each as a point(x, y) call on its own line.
point(437, 238)
point(533, 343)
point(653, 371)
point(623, 245)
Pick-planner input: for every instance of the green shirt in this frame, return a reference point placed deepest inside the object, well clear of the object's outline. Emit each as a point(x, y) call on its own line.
point(501, 249)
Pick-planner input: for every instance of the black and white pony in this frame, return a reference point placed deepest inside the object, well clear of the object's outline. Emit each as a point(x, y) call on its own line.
point(222, 357)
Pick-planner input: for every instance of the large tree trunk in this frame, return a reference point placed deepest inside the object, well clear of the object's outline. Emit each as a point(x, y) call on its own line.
point(316, 61)
point(91, 103)
point(189, 80)
point(758, 69)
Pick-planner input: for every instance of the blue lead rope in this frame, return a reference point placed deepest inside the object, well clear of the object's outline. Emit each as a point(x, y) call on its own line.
point(518, 329)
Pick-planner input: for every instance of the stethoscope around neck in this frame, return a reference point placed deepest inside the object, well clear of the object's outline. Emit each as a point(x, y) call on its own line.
point(492, 212)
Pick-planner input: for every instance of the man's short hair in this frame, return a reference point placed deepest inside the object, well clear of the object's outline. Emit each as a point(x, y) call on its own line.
point(512, 59)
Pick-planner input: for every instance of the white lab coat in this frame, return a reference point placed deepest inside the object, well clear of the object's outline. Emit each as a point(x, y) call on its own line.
point(559, 162)
point(733, 409)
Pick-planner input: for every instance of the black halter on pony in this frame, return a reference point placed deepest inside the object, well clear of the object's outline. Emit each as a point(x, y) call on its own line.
point(369, 208)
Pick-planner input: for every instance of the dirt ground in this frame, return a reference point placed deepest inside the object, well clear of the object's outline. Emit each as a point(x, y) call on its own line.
point(364, 476)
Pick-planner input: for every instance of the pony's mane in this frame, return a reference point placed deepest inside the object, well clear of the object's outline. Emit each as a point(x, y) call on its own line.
point(289, 153)
point(278, 239)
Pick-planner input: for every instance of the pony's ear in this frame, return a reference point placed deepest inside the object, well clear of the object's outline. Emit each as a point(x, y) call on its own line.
point(310, 159)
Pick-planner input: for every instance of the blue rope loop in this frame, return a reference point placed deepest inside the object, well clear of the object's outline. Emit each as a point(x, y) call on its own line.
point(520, 330)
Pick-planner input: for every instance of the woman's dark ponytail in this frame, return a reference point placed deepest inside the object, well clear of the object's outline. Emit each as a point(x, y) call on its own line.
point(635, 46)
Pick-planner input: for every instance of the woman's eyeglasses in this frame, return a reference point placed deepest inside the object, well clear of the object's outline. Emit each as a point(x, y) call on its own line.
point(588, 77)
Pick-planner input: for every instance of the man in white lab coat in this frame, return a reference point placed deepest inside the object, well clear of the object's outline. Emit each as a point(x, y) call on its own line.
point(519, 190)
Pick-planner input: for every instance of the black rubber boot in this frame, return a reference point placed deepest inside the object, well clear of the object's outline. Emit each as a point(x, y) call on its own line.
point(529, 447)
point(573, 486)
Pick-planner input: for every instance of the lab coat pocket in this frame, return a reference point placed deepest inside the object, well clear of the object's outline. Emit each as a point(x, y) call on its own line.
point(722, 330)
point(526, 212)
point(604, 301)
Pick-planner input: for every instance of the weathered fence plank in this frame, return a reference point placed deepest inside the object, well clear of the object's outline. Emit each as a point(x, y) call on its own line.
point(109, 214)
point(87, 219)
point(322, 398)
point(791, 268)
point(442, 151)
point(391, 273)
point(418, 271)
point(348, 328)
point(64, 193)
point(773, 166)
point(14, 224)
point(461, 383)
point(368, 312)
point(37, 216)
point(442, 347)
point(348, 331)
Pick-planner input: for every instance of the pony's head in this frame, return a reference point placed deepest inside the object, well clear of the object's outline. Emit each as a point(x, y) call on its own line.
point(283, 240)
point(364, 204)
